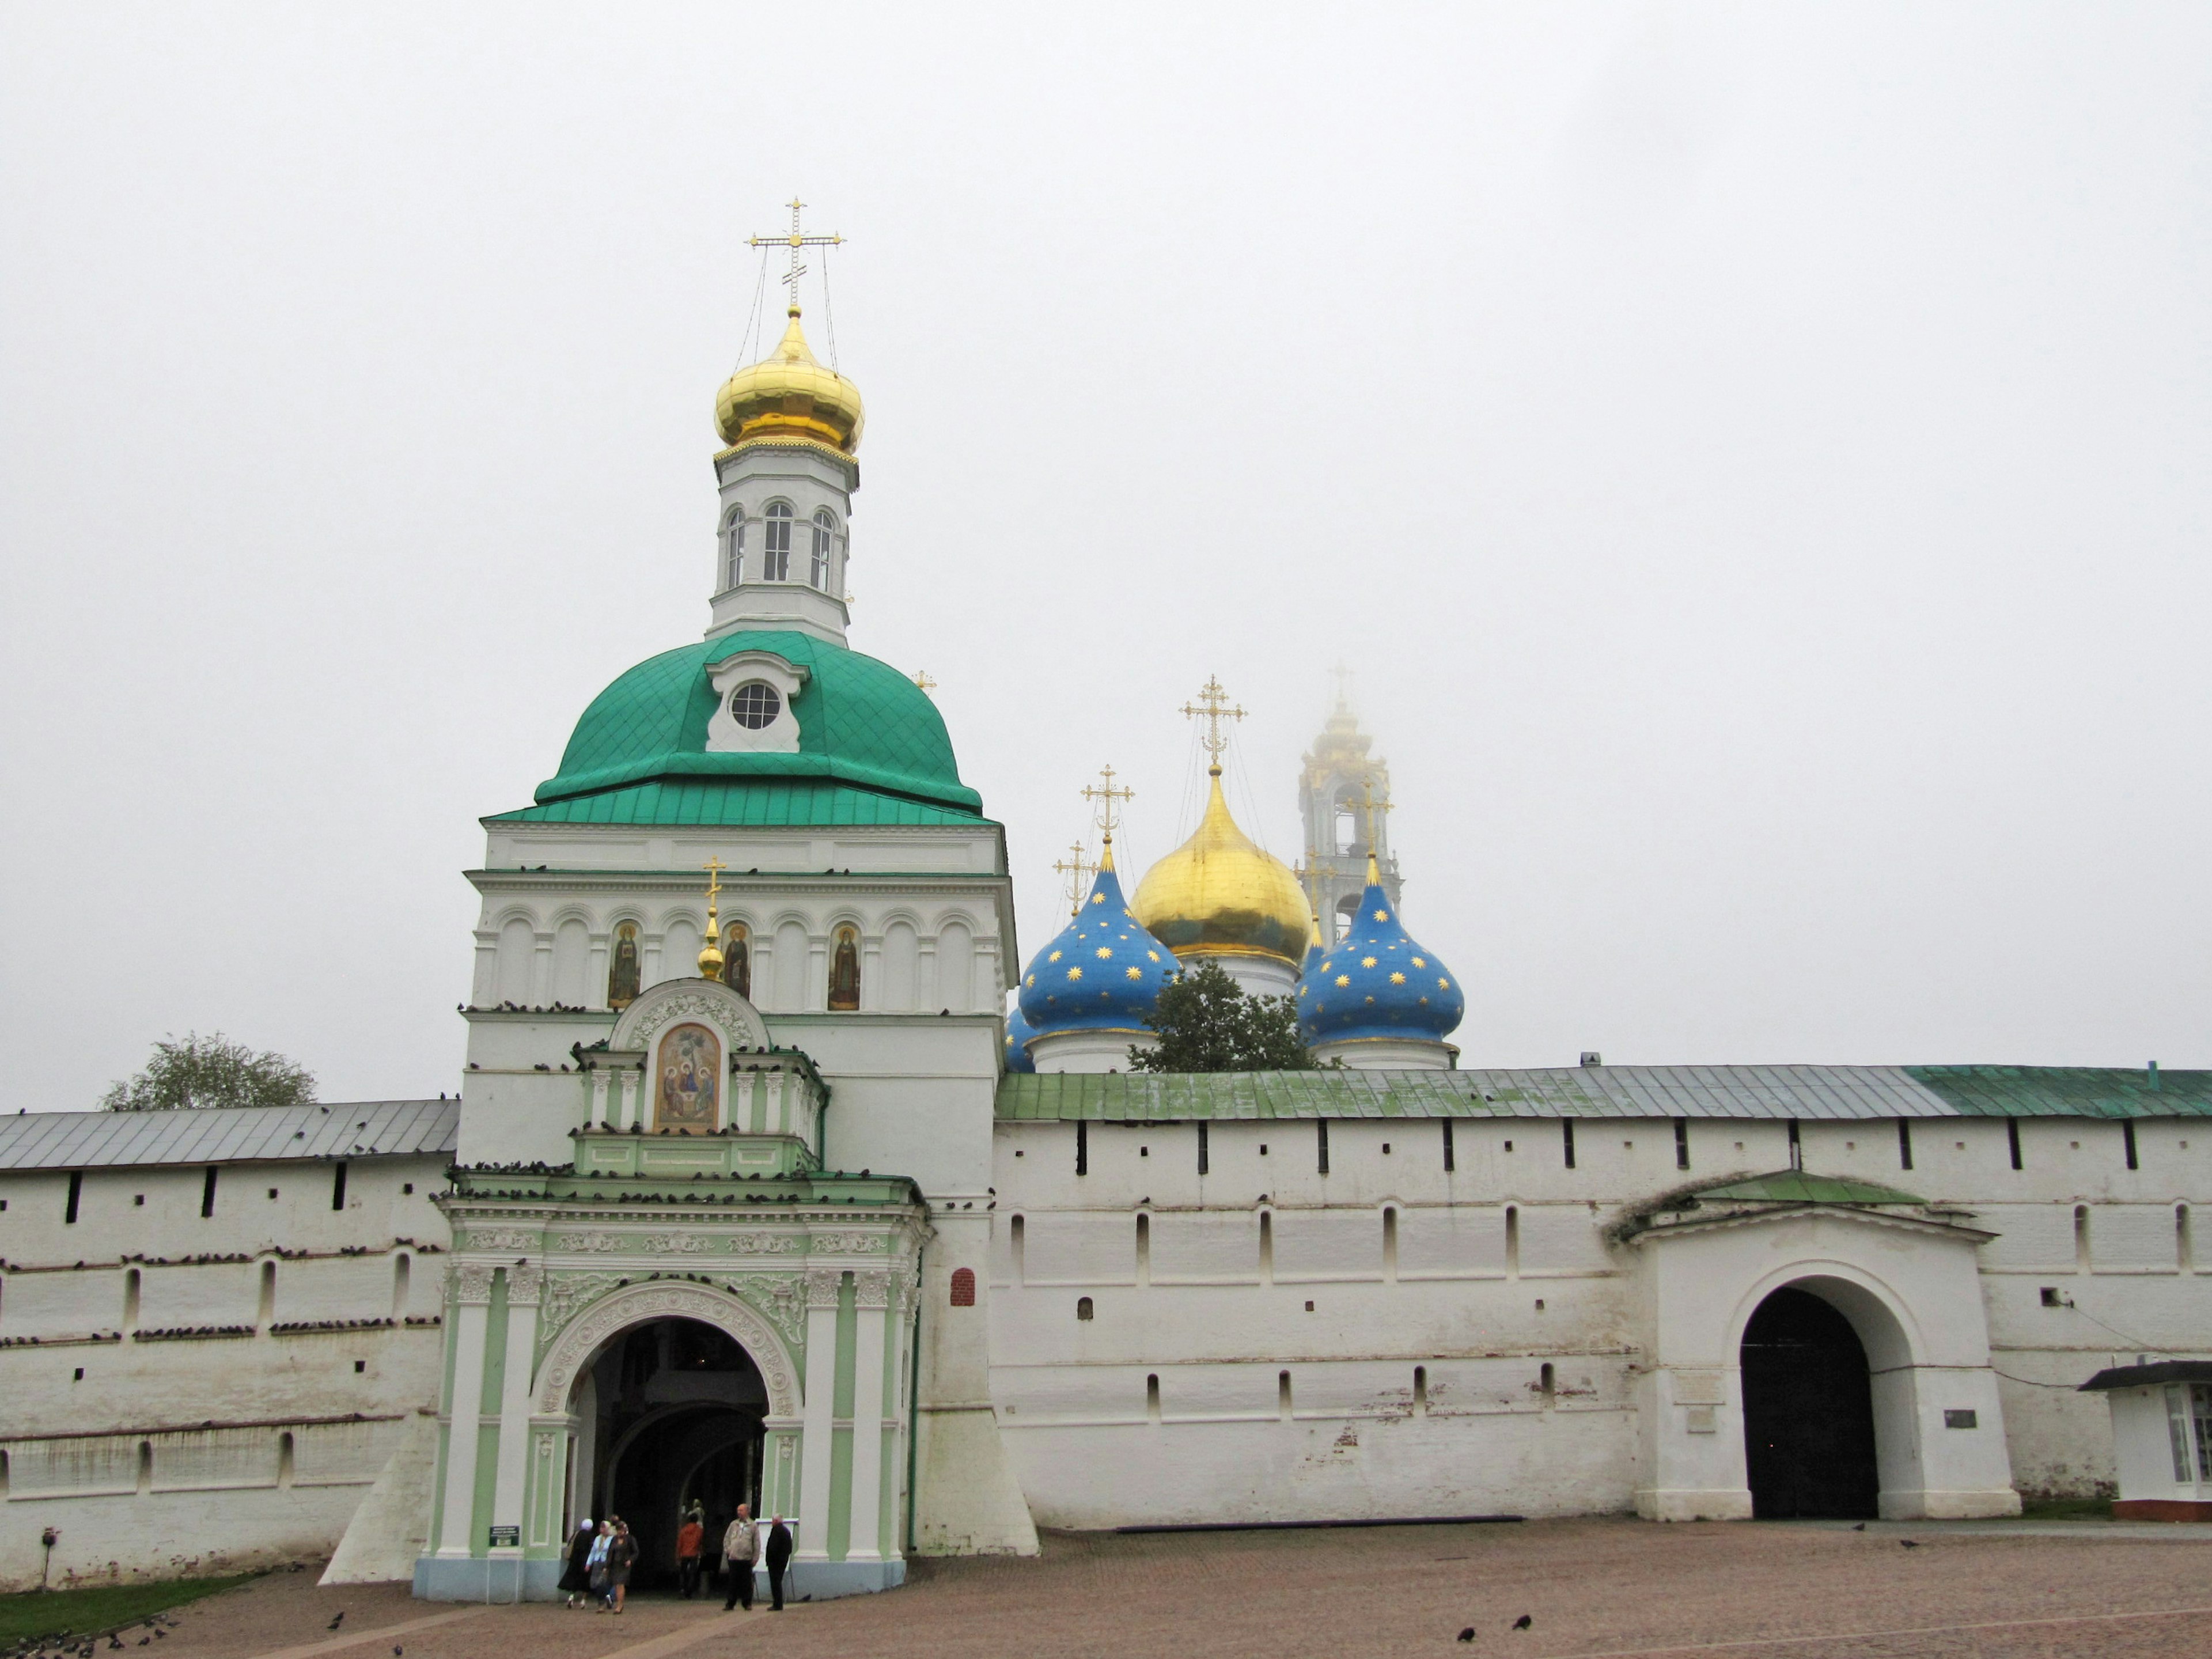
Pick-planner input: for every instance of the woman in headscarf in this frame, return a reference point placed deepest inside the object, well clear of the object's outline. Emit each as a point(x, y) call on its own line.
point(576, 1581)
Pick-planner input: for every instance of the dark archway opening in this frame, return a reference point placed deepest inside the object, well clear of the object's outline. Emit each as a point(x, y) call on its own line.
point(1807, 1412)
point(679, 1405)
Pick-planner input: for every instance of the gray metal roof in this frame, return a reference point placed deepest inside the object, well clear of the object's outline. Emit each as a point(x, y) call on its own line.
point(1808, 1092)
point(84, 1141)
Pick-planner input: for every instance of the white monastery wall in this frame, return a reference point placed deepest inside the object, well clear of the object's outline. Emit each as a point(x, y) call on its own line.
point(191, 1392)
point(1494, 1280)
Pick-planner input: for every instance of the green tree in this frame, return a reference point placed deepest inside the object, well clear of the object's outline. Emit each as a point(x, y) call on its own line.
point(211, 1071)
point(1207, 1023)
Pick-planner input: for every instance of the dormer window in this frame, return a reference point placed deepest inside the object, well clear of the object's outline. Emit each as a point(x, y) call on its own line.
point(825, 537)
point(775, 543)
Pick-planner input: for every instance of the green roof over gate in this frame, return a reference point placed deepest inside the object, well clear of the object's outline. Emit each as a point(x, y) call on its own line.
point(1808, 1093)
point(737, 801)
point(862, 725)
point(1797, 1187)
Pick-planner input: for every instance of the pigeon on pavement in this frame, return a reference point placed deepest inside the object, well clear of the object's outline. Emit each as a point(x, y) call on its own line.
point(1522, 1622)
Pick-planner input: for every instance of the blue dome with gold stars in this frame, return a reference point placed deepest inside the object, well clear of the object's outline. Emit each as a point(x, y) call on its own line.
point(1377, 982)
point(1018, 1033)
point(1102, 973)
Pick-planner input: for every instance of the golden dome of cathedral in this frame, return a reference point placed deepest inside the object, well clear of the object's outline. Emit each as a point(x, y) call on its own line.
point(1220, 895)
point(789, 395)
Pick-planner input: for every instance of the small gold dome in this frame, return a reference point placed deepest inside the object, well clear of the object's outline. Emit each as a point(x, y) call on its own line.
point(789, 395)
point(1219, 895)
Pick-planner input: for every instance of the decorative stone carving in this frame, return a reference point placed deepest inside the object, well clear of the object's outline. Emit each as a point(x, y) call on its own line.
point(850, 1243)
point(822, 1286)
point(872, 1290)
point(635, 1304)
point(587, 1244)
point(472, 1281)
point(524, 1282)
point(498, 1239)
point(709, 1002)
point(765, 1244)
point(674, 1245)
point(563, 1294)
point(782, 1297)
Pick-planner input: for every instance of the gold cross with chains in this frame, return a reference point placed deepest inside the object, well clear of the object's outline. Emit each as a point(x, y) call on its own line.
point(1109, 799)
point(795, 242)
point(1078, 872)
point(1212, 707)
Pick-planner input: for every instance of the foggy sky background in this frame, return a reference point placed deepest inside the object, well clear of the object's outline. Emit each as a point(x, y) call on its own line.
point(1753, 459)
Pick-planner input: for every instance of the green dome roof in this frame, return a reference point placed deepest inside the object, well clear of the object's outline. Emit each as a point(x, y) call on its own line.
point(861, 721)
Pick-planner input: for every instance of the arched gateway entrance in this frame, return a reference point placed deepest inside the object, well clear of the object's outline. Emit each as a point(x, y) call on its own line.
point(668, 1413)
point(1808, 1417)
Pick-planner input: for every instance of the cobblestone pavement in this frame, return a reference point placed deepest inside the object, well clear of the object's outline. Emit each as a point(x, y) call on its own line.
point(1588, 1586)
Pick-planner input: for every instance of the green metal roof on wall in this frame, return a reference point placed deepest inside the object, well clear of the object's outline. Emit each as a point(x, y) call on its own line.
point(1806, 1093)
point(860, 722)
point(739, 802)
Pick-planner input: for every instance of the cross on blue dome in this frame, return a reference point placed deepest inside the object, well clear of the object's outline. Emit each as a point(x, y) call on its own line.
point(1378, 981)
point(1103, 971)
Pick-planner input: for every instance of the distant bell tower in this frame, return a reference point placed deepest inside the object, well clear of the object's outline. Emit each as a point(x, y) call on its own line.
point(1339, 780)
point(792, 425)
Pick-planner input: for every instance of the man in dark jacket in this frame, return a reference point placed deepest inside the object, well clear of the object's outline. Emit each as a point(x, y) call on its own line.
point(778, 1556)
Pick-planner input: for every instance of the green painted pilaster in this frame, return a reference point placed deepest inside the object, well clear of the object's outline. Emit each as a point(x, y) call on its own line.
point(841, 1439)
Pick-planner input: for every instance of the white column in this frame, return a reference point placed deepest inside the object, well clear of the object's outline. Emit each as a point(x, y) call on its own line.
point(472, 1281)
point(631, 1077)
point(872, 1295)
point(816, 1414)
point(524, 1284)
point(599, 1079)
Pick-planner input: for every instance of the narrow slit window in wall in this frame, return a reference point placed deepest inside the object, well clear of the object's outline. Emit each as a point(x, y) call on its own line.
point(286, 1454)
point(1796, 1147)
point(2182, 1253)
point(1567, 1140)
point(1283, 1395)
point(1202, 1162)
point(1152, 1397)
point(1321, 1144)
point(1546, 1383)
point(1082, 1148)
point(267, 1311)
point(2128, 1142)
point(1512, 1241)
point(1390, 1243)
point(2012, 1139)
point(1267, 1247)
point(1682, 1143)
point(2081, 1238)
point(401, 1270)
point(1144, 1249)
point(1451, 1162)
point(338, 1186)
point(76, 1192)
point(1420, 1388)
point(145, 1466)
point(1018, 1241)
point(207, 1193)
point(1904, 1143)
point(130, 1284)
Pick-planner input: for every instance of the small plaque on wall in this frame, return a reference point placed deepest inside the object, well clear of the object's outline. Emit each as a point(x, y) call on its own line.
point(1961, 1420)
point(506, 1538)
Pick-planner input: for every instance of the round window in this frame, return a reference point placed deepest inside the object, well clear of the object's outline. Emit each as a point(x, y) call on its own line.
point(756, 704)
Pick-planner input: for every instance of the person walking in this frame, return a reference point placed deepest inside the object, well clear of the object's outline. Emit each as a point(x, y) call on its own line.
point(622, 1555)
point(595, 1565)
point(777, 1554)
point(740, 1548)
point(689, 1537)
point(576, 1581)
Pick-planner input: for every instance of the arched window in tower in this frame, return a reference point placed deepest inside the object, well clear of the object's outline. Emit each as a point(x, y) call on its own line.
point(826, 539)
point(733, 548)
point(845, 972)
point(622, 969)
point(1346, 825)
point(775, 543)
point(738, 959)
point(1346, 908)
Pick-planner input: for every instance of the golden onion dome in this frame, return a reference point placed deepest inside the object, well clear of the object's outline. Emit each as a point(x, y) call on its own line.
point(789, 395)
point(1220, 895)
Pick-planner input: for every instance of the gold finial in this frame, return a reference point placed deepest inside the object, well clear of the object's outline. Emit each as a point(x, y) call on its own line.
point(1374, 867)
point(795, 242)
point(1212, 707)
point(921, 676)
point(710, 955)
point(1108, 800)
point(1078, 871)
point(1342, 676)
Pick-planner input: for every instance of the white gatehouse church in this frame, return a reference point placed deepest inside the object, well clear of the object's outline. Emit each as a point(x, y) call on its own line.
point(755, 1189)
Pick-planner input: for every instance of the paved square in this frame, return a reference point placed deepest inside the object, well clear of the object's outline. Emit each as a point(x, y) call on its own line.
point(1593, 1587)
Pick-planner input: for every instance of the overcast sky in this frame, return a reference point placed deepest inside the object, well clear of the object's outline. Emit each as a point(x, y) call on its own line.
point(1754, 460)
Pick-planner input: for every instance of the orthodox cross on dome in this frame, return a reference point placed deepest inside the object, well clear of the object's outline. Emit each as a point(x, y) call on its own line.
point(1108, 800)
point(1078, 871)
point(1342, 676)
point(922, 680)
point(795, 240)
point(1212, 707)
point(710, 954)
